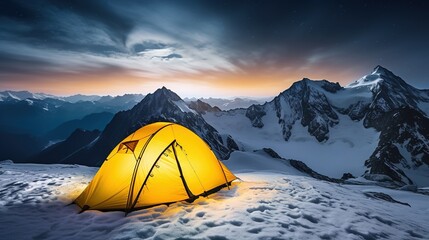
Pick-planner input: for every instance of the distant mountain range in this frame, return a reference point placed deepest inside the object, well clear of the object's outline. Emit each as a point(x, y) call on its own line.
point(23, 95)
point(39, 119)
point(36, 114)
point(228, 104)
point(376, 127)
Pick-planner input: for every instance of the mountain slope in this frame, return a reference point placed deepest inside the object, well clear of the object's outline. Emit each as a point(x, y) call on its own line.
point(90, 122)
point(305, 101)
point(202, 107)
point(333, 128)
point(60, 152)
point(18, 146)
point(227, 104)
point(162, 105)
point(389, 92)
point(403, 149)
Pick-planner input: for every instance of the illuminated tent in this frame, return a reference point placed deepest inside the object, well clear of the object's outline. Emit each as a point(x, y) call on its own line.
point(159, 163)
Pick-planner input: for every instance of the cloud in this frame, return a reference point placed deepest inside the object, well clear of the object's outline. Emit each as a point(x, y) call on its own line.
point(206, 42)
point(77, 39)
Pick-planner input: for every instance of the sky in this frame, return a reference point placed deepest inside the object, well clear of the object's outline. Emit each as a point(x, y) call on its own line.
point(207, 48)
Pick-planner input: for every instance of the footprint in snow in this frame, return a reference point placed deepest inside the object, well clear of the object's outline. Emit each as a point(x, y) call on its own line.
point(298, 224)
point(316, 200)
point(257, 219)
point(293, 215)
point(291, 206)
point(255, 230)
point(311, 218)
point(236, 223)
point(212, 224)
point(183, 220)
point(260, 208)
point(146, 233)
point(200, 214)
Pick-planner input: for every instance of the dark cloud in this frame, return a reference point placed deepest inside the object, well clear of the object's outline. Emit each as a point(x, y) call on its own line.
point(173, 55)
point(147, 45)
point(235, 36)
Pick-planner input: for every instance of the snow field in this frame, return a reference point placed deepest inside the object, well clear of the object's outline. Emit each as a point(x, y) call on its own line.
point(349, 145)
point(276, 204)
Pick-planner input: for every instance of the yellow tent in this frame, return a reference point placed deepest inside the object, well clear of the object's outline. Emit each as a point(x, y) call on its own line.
point(159, 163)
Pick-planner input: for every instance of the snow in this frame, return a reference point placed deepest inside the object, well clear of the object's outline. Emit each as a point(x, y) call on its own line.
point(277, 204)
point(424, 106)
point(420, 175)
point(366, 81)
point(30, 102)
point(13, 96)
point(183, 106)
point(351, 94)
point(23, 95)
point(349, 145)
point(52, 142)
point(348, 96)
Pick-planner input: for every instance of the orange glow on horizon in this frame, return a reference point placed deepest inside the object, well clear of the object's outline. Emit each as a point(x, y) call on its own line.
point(212, 84)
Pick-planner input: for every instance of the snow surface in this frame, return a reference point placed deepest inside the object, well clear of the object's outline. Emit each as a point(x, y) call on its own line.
point(424, 106)
point(183, 106)
point(370, 81)
point(350, 143)
point(273, 201)
point(348, 96)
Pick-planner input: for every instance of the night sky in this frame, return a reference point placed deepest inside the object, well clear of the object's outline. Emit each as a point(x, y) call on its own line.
point(207, 48)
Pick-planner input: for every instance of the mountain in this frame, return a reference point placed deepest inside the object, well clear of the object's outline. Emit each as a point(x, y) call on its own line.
point(18, 146)
point(304, 101)
point(162, 105)
point(227, 104)
point(202, 107)
point(81, 98)
point(92, 121)
point(403, 148)
point(60, 152)
point(37, 116)
point(39, 119)
point(22, 95)
point(389, 92)
point(375, 125)
point(120, 101)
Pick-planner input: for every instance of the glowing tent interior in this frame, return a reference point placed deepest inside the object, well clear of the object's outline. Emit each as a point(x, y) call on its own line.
point(157, 164)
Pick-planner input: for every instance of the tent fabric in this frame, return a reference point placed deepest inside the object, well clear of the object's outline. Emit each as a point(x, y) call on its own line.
point(159, 163)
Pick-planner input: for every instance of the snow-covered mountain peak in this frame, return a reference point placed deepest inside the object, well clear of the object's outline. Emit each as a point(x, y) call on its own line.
point(320, 108)
point(311, 86)
point(22, 95)
point(379, 70)
point(163, 101)
point(166, 93)
point(370, 80)
point(382, 76)
point(305, 102)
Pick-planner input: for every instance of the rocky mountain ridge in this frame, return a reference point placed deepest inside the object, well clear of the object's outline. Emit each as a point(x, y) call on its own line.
point(381, 100)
